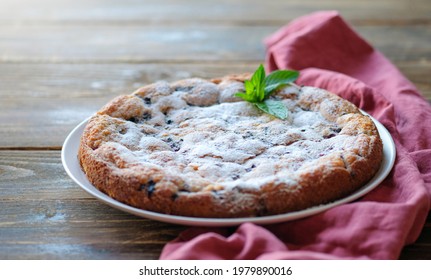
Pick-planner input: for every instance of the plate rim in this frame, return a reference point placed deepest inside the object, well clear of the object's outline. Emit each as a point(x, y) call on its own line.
point(389, 155)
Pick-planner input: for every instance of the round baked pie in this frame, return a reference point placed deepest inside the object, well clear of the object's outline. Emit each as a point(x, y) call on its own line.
point(192, 148)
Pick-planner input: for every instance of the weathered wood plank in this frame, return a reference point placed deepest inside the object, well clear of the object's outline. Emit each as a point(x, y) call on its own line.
point(203, 42)
point(35, 175)
point(42, 122)
point(154, 11)
point(19, 80)
point(78, 229)
point(419, 74)
point(82, 43)
point(45, 215)
point(34, 80)
point(67, 251)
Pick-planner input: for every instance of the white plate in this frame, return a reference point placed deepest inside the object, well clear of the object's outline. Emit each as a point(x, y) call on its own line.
point(71, 164)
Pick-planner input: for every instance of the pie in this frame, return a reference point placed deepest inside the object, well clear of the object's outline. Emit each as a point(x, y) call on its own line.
point(191, 148)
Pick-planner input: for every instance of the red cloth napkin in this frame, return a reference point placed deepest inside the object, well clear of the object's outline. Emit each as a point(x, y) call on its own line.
point(331, 55)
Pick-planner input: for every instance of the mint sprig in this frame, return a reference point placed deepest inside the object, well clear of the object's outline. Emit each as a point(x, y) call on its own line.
point(260, 87)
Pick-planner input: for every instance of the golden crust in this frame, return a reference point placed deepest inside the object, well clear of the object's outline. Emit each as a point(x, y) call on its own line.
point(122, 154)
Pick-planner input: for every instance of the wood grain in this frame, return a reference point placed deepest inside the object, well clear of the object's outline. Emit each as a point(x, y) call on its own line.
point(78, 229)
point(203, 42)
point(49, 81)
point(35, 175)
point(54, 219)
point(230, 11)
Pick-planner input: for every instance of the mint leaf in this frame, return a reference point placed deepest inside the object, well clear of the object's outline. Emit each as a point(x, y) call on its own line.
point(258, 80)
point(259, 88)
point(249, 87)
point(245, 96)
point(273, 107)
point(279, 78)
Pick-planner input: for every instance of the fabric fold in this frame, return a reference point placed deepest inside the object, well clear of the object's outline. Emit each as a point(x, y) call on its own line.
point(331, 55)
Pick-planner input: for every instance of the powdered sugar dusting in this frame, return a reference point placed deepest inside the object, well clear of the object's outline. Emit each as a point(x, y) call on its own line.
point(231, 144)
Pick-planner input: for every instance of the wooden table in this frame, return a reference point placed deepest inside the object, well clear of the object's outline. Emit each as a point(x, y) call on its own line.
point(62, 60)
